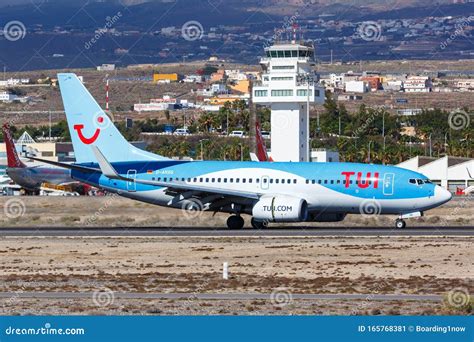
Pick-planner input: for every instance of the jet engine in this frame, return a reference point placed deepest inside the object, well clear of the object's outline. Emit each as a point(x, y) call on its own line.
point(326, 217)
point(280, 209)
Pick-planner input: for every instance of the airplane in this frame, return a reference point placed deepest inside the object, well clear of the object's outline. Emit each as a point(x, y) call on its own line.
point(269, 192)
point(261, 154)
point(31, 177)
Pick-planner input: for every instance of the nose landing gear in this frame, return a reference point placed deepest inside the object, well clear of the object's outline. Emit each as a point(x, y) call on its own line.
point(400, 224)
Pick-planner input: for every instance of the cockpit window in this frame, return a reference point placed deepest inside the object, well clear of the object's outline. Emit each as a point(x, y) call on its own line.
point(427, 181)
point(420, 181)
point(412, 181)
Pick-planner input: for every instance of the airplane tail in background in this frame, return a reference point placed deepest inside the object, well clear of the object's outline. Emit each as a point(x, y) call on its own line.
point(262, 154)
point(12, 156)
point(90, 126)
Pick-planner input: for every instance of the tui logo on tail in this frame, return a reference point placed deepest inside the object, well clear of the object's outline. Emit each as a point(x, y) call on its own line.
point(78, 128)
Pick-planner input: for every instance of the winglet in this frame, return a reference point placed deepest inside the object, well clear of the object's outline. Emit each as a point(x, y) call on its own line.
point(106, 168)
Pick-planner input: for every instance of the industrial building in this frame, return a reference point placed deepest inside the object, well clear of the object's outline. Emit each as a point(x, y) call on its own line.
point(157, 78)
point(453, 173)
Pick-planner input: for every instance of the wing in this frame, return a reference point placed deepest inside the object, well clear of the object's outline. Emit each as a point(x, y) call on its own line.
point(179, 186)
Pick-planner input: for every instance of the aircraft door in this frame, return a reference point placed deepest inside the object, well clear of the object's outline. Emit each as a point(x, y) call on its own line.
point(388, 184)
point(132, 185)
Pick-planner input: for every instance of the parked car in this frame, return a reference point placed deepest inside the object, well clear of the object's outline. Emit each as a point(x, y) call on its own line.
point(239, 134)
point(265, 134)
point(182, 131)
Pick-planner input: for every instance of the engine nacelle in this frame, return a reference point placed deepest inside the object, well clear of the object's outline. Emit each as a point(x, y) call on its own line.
point(326, 217)
point(280, 209)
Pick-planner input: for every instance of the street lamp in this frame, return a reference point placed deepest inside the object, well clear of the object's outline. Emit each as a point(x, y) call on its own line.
point(368, 161)
point(202, 148)
point(431, 151)
point(308, 80)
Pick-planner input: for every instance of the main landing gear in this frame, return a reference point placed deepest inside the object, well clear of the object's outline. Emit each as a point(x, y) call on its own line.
point(400, 223)
point(258, 224)
point(235, 222)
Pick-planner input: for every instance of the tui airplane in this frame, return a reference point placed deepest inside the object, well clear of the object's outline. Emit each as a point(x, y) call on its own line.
point(269, 192)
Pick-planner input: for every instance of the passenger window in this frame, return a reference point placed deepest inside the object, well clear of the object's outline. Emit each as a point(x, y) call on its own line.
point(319, 181)
point(313, 181)
point(271, 181)
point(237, 180)
point(231, 180)
point(332, 181)
point(244, 180)
point(288, 181)
point(264, 180)
point(338, 181)
point(152, 178)
point(195, 180)
point(307, 181)
point(277, 181)
point(325, 181)
point(189, 179)
point(159, 179)
point(218, 180)
point(294, 181)
point(225, 180)
point(250, 180)
point(164, 179)
point(207, 180)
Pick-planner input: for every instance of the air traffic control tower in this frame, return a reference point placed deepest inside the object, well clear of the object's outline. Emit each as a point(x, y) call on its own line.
point(289, 86)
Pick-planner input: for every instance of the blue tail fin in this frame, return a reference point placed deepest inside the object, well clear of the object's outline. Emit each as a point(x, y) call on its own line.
point(90, 126)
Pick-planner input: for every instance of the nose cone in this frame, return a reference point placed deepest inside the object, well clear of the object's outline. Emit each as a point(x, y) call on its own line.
point(442, 195)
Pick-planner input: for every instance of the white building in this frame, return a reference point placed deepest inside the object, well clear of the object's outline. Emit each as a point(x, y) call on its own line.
point(14, 81)
point(356, 87)
point(289, 85)
point(417, 84)
point(321, 155)
point(5, 96)
point(449, 172)
point(106, 67)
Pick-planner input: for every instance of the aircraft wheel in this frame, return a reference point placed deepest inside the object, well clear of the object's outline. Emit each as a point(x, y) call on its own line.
point(399, 223)
point(258, 224)
point(235, 222)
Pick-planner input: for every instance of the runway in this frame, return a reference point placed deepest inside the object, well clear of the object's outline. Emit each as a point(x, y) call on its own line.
point(217, 232)
point(220, 296)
